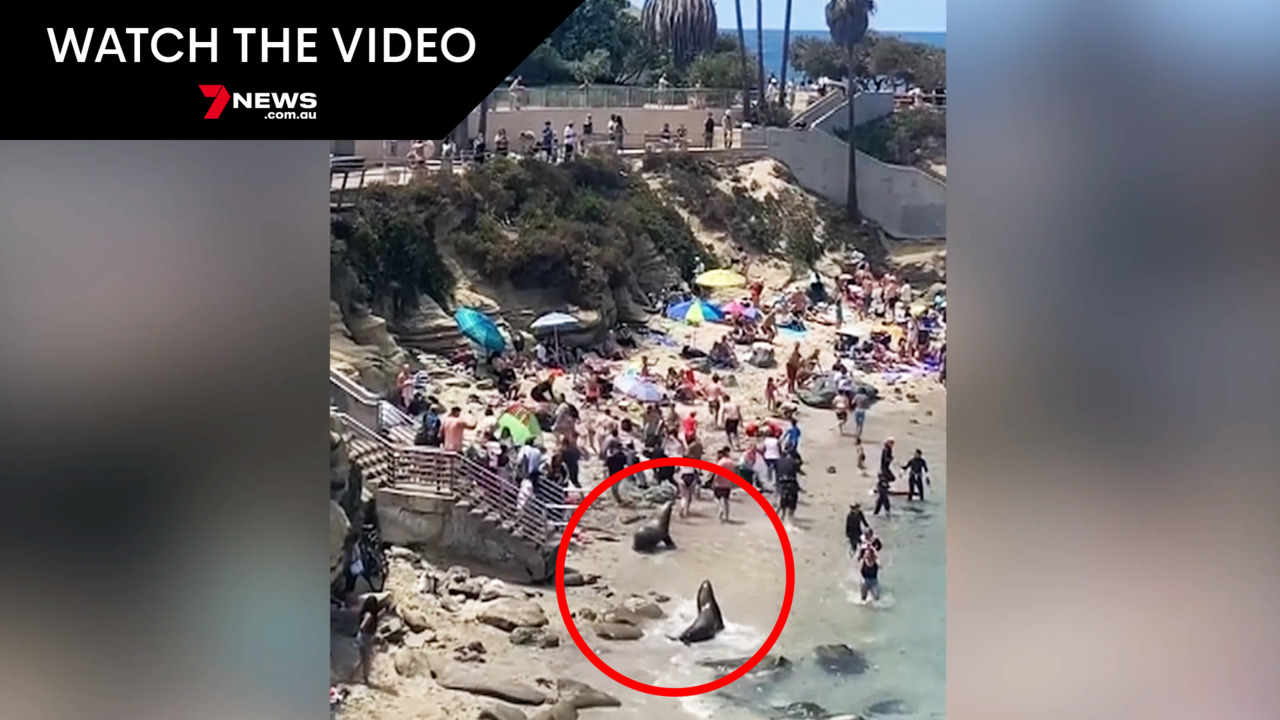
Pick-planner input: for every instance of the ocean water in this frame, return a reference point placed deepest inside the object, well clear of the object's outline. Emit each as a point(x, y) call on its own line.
point(773, 44)
point(902, 636)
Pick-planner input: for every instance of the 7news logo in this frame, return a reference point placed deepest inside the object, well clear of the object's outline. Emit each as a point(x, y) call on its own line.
point(278, 106)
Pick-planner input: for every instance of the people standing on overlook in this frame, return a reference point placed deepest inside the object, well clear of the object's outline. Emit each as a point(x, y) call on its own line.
point(728, 129)
point(570, 141)
point(514, 91)
point(588, 129)
point(501, 143)
point(549, 142)
point(709, 131)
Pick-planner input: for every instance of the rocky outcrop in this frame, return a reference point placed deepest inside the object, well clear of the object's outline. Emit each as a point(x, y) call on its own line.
point(428, 328)
point(480, 681)
point(339, 526)
point(509, 614)
point(373, 365)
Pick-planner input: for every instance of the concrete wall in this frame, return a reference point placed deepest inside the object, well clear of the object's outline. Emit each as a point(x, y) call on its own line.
point(416, 519)
point(866, 107)
point(908, 203)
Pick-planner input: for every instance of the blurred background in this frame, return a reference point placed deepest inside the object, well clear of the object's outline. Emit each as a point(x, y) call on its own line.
point(1113, 544)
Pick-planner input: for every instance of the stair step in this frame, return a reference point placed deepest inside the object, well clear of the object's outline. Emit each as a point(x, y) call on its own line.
point(462, 504)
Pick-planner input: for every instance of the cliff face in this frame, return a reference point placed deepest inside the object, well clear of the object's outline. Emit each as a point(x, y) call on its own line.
point(602, 239)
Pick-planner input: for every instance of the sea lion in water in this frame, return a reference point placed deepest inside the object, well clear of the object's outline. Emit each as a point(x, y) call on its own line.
point(656, 532)
point(709, 620)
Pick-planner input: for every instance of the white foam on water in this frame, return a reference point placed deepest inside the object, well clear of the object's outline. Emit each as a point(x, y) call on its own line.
point(683, 668)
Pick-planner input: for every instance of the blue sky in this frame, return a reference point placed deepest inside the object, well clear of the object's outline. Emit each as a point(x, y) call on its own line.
point(896, 15)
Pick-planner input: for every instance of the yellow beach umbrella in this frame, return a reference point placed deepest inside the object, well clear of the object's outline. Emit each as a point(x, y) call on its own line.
point(720, 279)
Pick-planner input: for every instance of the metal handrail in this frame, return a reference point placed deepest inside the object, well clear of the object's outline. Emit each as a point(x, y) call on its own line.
point(453, 475)
point(613, 96)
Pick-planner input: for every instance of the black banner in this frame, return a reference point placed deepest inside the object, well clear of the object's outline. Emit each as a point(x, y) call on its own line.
point(167, 75)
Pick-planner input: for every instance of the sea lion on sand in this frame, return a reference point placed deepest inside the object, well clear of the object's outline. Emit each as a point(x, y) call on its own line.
point(656, 532)
point(709, 620)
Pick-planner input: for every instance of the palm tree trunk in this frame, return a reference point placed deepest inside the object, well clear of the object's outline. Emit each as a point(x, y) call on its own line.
point(786, 48)
point(760, 49)
point(851, 191)
point(742, 51)
point(483, 126)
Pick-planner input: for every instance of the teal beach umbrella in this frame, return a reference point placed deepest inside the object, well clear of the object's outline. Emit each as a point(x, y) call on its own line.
point(480, 329)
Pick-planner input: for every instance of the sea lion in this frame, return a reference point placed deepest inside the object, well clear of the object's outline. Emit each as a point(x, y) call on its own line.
point(656, 532)
point(709, 620)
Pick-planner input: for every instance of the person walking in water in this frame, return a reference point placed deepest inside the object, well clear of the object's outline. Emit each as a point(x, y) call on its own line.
point(885, 478)
point(869, 567)
point(854, 524)
point(787, 470)
point(917, 474)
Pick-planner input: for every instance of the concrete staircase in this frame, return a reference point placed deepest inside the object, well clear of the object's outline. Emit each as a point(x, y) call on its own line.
point(443, 500)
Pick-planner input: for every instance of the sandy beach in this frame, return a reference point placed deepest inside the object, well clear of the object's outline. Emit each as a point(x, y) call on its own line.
point(902, 636)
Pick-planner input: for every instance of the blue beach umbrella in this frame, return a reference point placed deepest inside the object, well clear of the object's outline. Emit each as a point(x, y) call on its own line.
point(480, 329)
point(695, 311)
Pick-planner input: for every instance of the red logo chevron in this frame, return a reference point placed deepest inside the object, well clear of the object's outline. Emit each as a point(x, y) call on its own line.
point(220, 99)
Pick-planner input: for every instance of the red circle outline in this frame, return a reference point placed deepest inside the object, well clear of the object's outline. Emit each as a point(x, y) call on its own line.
point(751, 662)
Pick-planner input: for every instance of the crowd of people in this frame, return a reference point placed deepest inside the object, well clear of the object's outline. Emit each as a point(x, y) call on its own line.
point(589, 418)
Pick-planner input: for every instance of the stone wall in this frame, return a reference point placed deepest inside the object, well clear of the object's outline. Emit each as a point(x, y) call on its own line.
point(416, 519)
point(906, 202)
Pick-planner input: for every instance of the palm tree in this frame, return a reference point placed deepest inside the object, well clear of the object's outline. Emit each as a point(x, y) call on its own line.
point(786, 47)
point(848, 21)
point(760, 52)
point(483, 125)
point(684, 28)
point(742, 53)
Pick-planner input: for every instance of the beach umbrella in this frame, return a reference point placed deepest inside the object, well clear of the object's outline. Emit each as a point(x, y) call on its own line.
point(555, 322)
point(520, 426)
point(720, 279)
point(737, 309)
point(480, 329)
point(695, 311)
point(633, 386)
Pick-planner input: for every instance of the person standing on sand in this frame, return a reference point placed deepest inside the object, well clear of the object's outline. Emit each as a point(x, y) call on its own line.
point(772, 450)
point(689, 427)
point(732, 420)
point(917, 473)
point(841, 402)
point(860, 402)
point(862, 457)
point(721, 486)
point(715, 395)
point(770, 393)
point(793, 369)
point(854, 524)
point(366, 634)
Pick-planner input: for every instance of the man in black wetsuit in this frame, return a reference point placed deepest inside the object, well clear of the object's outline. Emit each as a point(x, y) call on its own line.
point(917, 473)
point(854, 523)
